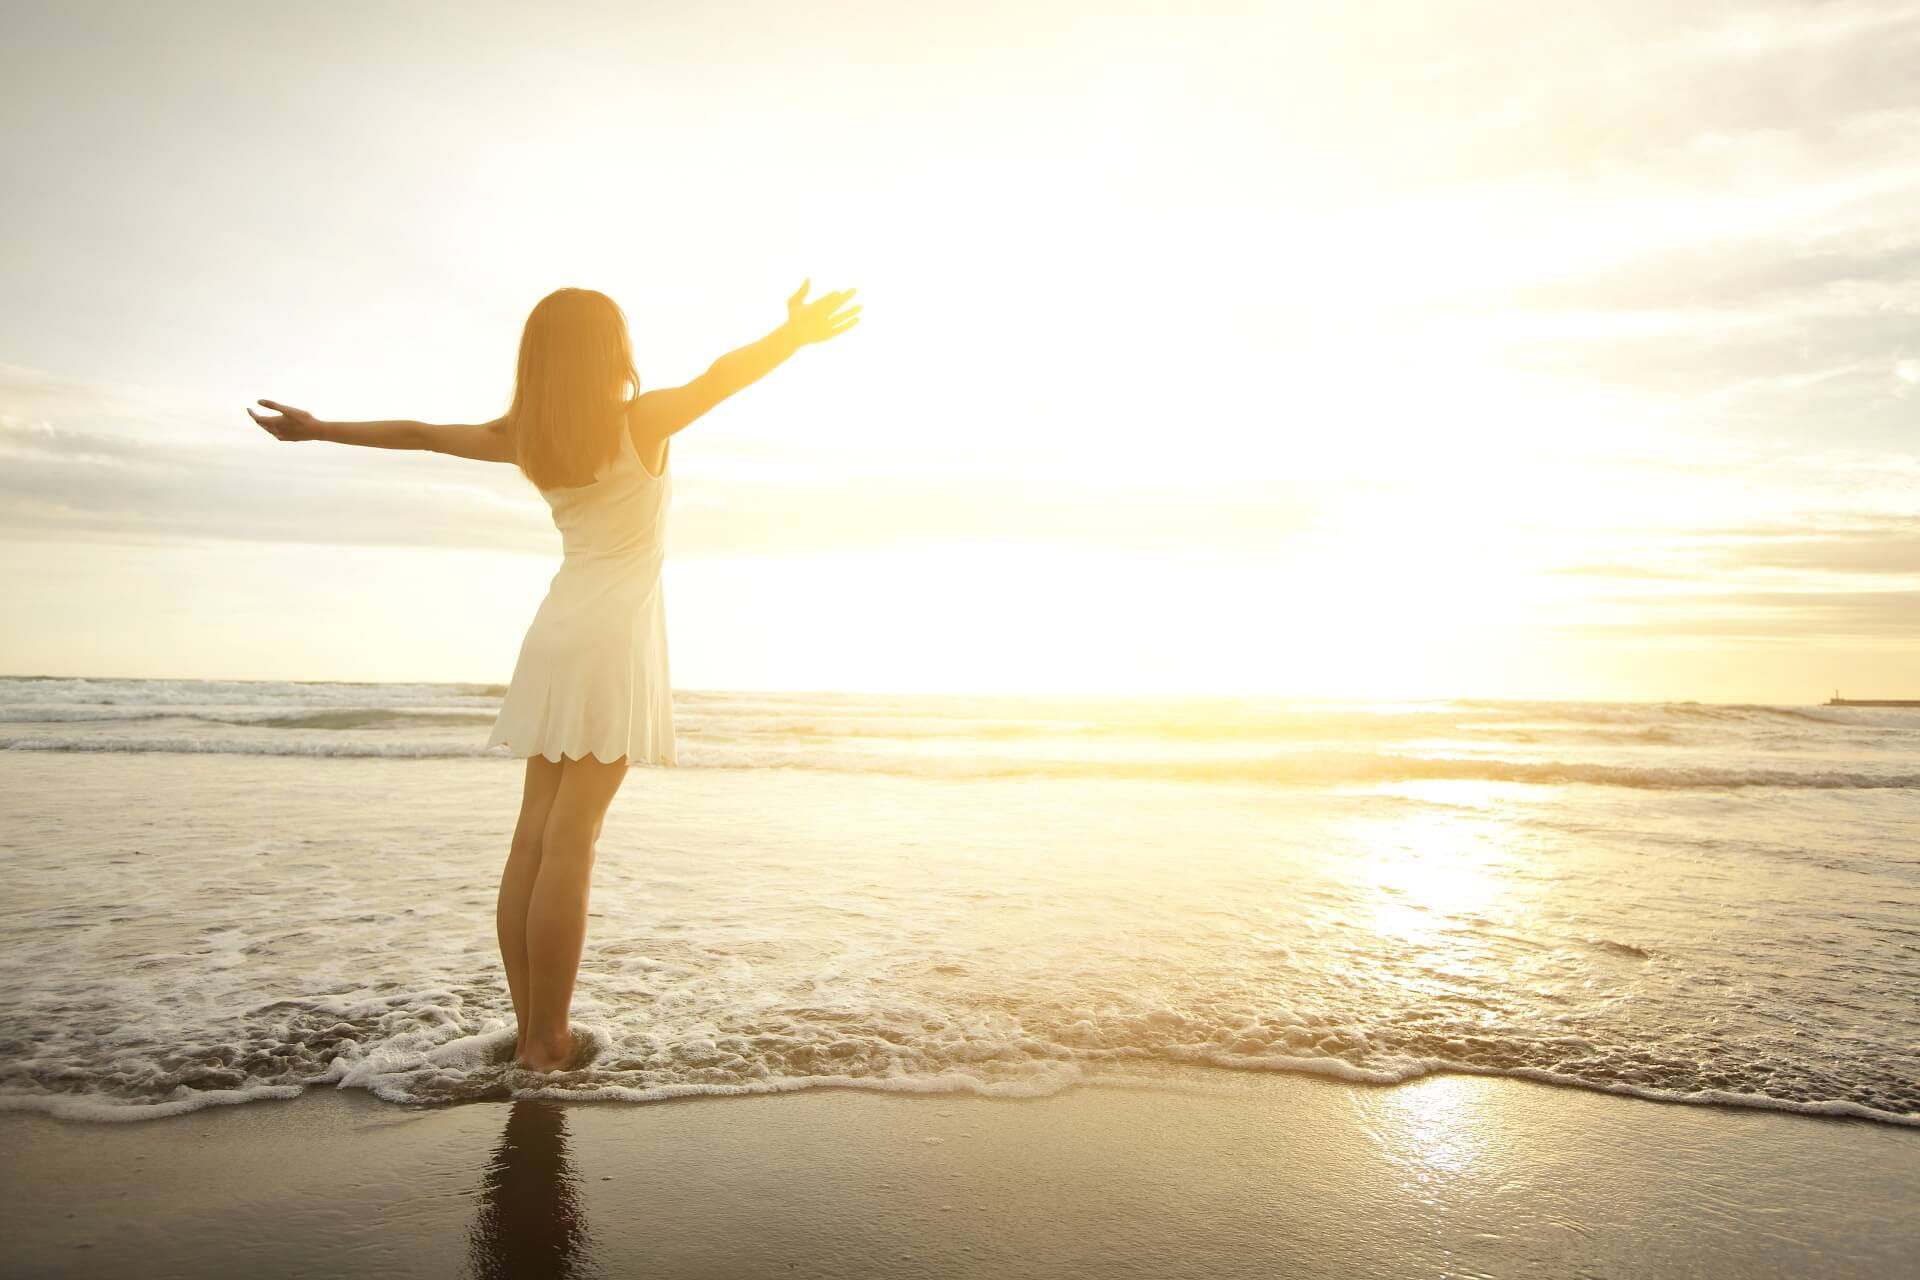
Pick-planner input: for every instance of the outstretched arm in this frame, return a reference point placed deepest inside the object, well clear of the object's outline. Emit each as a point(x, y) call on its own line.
point(486, 442)
point(673, 409)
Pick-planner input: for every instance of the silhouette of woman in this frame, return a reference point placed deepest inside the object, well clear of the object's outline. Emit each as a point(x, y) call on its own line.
point(589, 694)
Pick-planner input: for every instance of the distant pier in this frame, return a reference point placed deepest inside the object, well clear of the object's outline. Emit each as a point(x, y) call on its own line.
point(1838, 701)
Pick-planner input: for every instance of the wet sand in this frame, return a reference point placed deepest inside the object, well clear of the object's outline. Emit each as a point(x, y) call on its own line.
point(1187, 1175)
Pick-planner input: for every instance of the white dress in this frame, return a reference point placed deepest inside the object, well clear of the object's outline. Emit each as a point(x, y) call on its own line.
point(591, 678)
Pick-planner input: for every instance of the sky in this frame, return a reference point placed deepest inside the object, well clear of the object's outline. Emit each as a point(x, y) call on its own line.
point(1388, 350)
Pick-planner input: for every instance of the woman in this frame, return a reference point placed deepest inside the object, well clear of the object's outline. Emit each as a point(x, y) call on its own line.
point(589, 694)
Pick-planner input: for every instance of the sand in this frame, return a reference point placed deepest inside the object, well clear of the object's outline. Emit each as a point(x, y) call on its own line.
point(1186, 1174)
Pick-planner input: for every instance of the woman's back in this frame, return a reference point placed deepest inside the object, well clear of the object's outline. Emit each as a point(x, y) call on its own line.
point(621, 514)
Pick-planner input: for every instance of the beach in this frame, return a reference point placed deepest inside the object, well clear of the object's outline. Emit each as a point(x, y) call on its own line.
point(920, 985)
point(1189, 1176)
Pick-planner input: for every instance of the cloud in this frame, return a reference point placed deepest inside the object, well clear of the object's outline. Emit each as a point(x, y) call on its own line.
point(1706, 91)
point(1891, 548)
point(1840, 578)
point(87, 461)
point(1851, 617)
point(1844, 543)
point(127, 470)
point(1738, 274)
point(1712, 201)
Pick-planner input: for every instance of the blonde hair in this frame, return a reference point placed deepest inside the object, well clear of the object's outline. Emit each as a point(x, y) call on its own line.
point(570, 392)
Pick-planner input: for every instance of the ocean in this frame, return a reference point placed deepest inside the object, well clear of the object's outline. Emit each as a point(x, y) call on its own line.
point(229, 891)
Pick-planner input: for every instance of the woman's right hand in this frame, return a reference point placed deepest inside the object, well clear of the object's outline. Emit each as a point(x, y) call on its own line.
point(289, 423)
point(816, 321)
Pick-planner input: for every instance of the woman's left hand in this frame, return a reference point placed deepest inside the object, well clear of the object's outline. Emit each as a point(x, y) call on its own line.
point(822, 318)
point(289, 423)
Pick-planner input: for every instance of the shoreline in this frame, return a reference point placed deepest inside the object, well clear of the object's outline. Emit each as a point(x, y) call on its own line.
point(85, 1110)
point(1199, 1173)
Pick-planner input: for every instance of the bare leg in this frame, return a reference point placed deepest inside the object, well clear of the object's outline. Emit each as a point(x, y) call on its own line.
point(557, 912)
point(516, 884)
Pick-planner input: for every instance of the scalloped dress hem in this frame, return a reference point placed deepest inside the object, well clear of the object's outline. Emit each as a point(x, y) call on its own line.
point(556, 757)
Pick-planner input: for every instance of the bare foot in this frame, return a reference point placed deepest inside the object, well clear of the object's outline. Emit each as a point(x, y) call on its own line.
point(536, 1055)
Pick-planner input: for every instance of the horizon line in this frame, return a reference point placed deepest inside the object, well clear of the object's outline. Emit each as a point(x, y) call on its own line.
point(1135, 695)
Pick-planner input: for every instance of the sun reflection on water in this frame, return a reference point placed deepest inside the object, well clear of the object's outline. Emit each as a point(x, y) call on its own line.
point(1430, 871)
point(1439, 1131)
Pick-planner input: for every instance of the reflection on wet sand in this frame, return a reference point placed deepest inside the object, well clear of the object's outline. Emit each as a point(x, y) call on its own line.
point(531, 1219)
